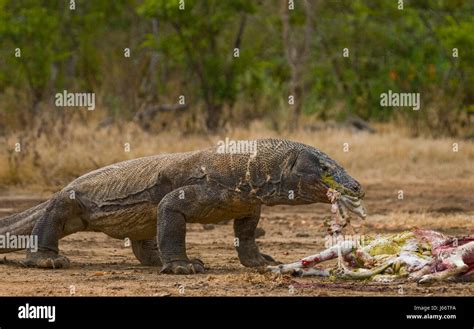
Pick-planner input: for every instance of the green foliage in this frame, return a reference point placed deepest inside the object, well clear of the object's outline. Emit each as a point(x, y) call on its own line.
point(202, 43)
point(191, 52)
point(33, 30)
point(406, 50)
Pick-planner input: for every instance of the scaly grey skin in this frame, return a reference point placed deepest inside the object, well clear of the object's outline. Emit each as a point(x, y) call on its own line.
point(150, 200)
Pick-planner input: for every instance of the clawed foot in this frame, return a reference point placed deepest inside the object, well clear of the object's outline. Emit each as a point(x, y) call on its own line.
point(45, 260)
point(257, 260)
point(185, 266)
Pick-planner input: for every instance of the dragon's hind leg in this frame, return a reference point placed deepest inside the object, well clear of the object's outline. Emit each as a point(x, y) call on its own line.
point(48, 230)
point(147, 252)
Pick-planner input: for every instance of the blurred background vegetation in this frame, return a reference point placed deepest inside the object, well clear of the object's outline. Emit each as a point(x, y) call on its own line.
point(281, 52)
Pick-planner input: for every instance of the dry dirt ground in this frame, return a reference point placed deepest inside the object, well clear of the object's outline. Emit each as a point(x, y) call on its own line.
point(105, 266)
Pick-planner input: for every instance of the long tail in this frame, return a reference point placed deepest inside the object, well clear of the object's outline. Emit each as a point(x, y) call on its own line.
point(21, 223)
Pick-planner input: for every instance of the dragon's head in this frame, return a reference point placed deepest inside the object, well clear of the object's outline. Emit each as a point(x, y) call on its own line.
point(318, 174)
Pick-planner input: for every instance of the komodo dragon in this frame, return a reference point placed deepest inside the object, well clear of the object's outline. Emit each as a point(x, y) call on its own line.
point(150, 200)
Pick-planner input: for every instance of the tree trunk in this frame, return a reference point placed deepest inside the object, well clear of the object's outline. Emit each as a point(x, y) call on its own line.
point(213, 117)
point(296, 52)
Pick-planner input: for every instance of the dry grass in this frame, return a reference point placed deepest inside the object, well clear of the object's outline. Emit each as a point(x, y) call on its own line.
point(52, 160)
point(427, 170)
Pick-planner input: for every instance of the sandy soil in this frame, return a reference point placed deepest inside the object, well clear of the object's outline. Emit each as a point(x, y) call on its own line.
point(105, 266)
